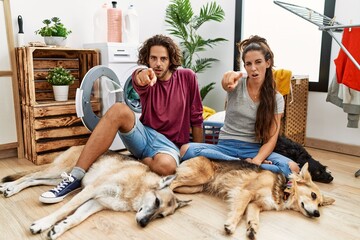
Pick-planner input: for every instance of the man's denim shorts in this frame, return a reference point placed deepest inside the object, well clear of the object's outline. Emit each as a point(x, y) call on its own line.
point(143, 141)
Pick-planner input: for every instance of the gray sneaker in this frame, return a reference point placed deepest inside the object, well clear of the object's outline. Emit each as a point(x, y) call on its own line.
point(68, 185)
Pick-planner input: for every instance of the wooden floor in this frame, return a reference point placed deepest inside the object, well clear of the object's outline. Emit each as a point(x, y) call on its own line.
point(203, 219)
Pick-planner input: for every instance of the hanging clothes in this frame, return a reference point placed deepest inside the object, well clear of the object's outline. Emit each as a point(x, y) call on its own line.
point(346, 98)
point(346, 71)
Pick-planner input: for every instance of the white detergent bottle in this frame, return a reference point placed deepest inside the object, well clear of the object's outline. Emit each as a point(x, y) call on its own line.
point(100, 24)
point(131, 29)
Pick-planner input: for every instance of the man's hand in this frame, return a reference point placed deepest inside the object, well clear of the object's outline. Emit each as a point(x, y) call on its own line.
point(146, 77)
point(230, 80)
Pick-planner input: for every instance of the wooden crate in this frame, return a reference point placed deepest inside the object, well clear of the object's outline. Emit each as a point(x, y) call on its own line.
point(51, 127)
point(34, 64)
point(293, 124)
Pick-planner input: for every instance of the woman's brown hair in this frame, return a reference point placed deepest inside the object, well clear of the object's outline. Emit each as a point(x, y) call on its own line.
point(265, 116)
point(160, 40)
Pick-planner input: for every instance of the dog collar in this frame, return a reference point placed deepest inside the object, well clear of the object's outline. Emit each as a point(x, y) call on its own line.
point(287, 190)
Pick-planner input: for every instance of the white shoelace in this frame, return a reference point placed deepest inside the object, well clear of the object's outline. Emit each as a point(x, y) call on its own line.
point(67, 178)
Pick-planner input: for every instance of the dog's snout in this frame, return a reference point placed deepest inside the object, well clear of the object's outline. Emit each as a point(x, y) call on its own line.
point(143, 222)
point(316, 213)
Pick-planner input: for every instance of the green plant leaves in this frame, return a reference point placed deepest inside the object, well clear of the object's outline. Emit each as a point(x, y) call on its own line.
point(60, 76)
point(57, 29)
point(183, 24)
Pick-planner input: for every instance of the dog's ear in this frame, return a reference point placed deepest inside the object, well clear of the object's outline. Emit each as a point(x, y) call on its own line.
point(166, 181)
point(327, 201)
point(182, 203)
point(305, 174)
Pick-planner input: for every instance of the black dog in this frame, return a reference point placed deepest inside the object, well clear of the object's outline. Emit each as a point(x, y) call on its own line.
point(297, 153)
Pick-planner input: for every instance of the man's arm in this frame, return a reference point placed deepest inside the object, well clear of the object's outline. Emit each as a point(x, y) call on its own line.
point(197, 133)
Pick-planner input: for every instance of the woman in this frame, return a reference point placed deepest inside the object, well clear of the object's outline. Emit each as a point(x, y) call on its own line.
point(253, 114)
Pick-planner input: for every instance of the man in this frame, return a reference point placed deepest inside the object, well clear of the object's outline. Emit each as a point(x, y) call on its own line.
point(171, 105)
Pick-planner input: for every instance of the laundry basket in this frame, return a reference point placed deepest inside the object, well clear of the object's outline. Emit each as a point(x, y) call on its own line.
point(211, 131)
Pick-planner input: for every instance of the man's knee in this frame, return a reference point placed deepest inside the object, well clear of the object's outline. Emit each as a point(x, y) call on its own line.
point(119, 110)
point(162, 164)
point(121, 116)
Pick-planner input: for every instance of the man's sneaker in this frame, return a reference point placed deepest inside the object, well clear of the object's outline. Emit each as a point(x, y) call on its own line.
point(64, 188)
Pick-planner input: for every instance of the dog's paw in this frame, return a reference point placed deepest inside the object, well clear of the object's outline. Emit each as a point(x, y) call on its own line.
point(2, 187)
point(229, 228)
point(57, 230)
point(40, 226)
point(8, 189)
point(251, 233)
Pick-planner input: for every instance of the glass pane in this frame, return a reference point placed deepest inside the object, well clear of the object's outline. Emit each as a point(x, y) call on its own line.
point(4, 51)
point(7, 116)
point(296, 43)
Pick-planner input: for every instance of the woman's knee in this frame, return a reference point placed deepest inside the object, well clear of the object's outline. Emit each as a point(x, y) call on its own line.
point(183, 149)
point(294, 167)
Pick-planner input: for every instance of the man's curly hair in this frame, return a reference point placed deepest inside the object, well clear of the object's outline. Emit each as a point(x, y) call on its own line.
point(160, 40)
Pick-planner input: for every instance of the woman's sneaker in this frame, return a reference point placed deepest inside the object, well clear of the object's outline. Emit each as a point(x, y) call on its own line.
point(68, 185)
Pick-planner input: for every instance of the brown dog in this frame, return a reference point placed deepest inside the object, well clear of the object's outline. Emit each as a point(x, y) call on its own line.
point(248, 188)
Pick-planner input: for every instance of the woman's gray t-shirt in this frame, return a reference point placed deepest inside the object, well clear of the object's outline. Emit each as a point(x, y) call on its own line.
point(240, 114)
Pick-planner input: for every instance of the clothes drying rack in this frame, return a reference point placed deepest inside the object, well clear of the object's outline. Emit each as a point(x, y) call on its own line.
point(324, 23)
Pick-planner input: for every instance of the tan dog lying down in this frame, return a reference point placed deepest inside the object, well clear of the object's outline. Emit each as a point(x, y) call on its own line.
point(247, 188)
point(114, 181)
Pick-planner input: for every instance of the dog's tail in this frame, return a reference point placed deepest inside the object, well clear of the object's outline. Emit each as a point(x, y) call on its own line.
point(13, 177)
point(16, 176)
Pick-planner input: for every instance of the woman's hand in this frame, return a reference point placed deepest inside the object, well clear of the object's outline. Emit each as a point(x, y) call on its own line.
point(254, 161)
point(230, 80)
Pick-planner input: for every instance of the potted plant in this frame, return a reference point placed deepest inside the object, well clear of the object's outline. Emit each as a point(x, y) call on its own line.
point(60, 79)
point(184, 25)
point(54, 32)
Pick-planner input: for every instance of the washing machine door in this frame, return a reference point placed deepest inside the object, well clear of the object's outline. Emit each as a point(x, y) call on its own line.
point(99, 90)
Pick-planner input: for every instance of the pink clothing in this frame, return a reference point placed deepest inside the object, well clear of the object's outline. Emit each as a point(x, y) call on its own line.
point(172, 107)
point(346, 71)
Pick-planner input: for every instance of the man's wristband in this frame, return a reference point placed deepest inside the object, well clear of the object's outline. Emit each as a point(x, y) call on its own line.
point(139, 71)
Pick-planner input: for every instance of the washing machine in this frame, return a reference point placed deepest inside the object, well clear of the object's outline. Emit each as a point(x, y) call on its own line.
point(108, 83)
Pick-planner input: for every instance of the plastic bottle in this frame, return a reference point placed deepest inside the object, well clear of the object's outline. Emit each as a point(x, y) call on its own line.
point(114, 17)
point(132, 31)
point(100, 24)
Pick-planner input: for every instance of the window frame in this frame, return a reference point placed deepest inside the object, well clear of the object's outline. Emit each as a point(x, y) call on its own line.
point(325, 54)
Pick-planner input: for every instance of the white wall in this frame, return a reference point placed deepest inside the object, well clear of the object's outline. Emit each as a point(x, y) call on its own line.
point(325, 120)
point(78, 16)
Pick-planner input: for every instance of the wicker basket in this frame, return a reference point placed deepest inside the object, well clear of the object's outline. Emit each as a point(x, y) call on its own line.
point(293, 124)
